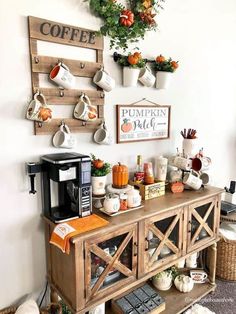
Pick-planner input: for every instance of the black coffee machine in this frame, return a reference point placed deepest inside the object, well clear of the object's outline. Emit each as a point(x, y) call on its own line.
point(66, 182)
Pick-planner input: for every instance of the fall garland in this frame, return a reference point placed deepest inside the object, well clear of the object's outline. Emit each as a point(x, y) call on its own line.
point(126, 25)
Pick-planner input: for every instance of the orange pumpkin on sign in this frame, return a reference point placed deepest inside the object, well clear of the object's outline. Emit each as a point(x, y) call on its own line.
point(126, 126)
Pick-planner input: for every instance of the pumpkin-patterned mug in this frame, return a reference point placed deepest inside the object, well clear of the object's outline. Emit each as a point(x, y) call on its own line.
point(84, 110)
point(38, 109)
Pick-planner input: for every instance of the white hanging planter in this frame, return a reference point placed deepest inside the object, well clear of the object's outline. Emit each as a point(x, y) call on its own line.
point(163, 79)
point(130, 76)
point(98, 185)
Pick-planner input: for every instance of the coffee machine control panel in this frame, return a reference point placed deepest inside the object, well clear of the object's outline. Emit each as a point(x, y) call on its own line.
point(86, 204)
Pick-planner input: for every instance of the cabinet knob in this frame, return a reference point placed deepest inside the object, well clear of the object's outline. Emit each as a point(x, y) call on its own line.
point(146, 244)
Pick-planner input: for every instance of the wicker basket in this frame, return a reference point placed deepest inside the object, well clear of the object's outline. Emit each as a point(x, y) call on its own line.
point(53, 308)
point(226, 259)
point(9, 310)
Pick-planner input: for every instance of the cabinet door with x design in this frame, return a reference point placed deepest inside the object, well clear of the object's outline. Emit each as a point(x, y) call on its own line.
point(202, 223)
point(164, 238)
point(110, 262)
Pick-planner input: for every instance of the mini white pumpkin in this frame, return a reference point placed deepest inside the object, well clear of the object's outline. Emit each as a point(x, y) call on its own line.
point(184, 283)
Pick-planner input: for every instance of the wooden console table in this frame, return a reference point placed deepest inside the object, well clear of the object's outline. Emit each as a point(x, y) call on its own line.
point(109, 261)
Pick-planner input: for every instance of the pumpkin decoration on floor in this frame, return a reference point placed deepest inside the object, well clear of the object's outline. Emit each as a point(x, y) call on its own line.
point(120, 176)
point(126, 25)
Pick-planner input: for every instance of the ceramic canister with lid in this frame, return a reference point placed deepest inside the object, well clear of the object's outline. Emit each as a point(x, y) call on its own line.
point(161, 168)
point(111, 203)
point(134, 198)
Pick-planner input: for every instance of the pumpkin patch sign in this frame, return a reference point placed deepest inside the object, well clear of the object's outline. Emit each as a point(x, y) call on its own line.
point(142, 123)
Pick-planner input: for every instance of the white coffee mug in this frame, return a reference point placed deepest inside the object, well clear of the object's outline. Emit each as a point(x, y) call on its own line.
point(104, 80)
point(192, 180)
point(63, 138)
point(102, 136)
point(182, 163)
point(204, 177)
point(161, 168)
point(60, 74)
point(201, 163)
point(191, 261)
point(146, 77)
point(84, 110)
point(38, 109)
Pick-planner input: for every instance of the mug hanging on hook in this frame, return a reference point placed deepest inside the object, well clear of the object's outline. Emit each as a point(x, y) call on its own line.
point(104, 80)
point(102, 136)
point(38, 109)
point(60, 74)
point(84, 110)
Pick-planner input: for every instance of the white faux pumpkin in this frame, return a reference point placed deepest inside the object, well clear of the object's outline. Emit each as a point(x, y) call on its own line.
point(184, 283)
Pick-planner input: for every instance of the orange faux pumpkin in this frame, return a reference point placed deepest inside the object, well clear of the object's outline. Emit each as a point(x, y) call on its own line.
point(98, 163)
point(137, 55)
point(160, 59)
point(174, 65)
point(120, 176)
point(133, 60)
point(127, 18)
point(177, 187)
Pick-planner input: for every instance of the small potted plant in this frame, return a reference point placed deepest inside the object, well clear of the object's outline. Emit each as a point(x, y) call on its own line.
point(163, 280)
point(131, 67)
point(99, 172)
point(164, 70)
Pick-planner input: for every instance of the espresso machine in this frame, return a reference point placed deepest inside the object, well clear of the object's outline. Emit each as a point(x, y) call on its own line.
point(66, 185)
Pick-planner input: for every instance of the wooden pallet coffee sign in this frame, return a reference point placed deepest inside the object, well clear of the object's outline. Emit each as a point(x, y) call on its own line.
point(64, 34)
point(55, 32)
point(142, 123)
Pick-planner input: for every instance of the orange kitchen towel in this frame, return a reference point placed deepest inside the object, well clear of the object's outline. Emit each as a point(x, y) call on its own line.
point(64, 231)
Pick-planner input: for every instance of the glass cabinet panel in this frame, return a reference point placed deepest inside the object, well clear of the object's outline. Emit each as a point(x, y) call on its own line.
point(201, 223)
point(110, 260)
point(163, 239)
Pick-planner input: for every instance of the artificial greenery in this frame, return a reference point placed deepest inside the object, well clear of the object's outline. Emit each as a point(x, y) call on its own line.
point(111, 12)
point(173, 271)
point(124, 61)
point(65, 309)
point(167, 65)
point(99, 172)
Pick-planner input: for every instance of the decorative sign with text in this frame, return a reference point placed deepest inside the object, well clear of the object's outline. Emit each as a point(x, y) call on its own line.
point(142, 123)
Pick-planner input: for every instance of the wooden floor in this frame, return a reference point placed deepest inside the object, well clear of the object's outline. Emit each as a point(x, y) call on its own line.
point(177, 302)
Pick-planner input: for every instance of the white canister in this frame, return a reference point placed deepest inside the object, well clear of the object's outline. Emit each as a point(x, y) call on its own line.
point(134, 198)
point(161, 168)
point(130, 76)
point(111, 203)
point(163, 79)
point(188, 146)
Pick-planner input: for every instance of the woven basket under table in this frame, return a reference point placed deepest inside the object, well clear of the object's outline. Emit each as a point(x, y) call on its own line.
point(226, 259)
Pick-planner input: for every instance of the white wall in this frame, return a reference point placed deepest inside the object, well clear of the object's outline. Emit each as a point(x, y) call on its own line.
point(200, 34)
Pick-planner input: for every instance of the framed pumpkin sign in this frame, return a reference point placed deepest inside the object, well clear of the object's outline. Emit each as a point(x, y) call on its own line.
point(142, 122)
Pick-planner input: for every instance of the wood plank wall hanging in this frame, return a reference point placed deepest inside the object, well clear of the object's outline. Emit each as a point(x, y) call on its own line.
point(142, 122)
point(54, 32)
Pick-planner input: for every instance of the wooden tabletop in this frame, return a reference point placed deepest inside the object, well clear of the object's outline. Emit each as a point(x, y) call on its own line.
point(151, 207)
